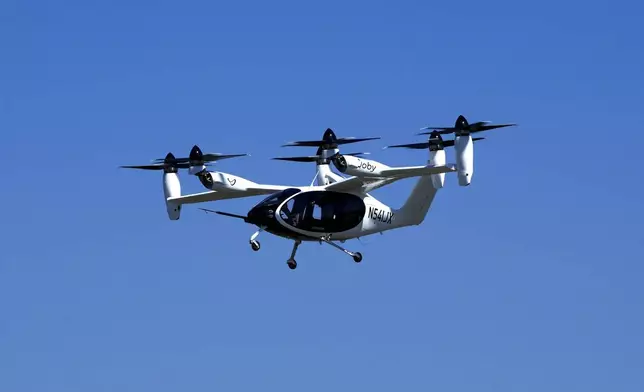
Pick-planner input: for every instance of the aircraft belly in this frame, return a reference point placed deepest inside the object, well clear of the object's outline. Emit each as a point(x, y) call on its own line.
point(316, 235)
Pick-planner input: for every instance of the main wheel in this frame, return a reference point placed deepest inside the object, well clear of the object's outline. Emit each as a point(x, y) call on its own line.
point(255, 245)
point(357, 257)
point(292, 264)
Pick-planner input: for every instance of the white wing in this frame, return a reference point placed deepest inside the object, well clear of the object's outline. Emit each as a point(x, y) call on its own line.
point(223, 194)
point(226, 186)
point(386, 176)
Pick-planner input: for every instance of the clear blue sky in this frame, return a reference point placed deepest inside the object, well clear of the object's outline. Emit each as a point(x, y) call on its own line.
point(530, 279)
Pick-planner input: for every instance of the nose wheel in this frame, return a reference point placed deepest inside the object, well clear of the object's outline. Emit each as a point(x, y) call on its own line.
point(254, 244)
point(357, 257)
point(292, 264)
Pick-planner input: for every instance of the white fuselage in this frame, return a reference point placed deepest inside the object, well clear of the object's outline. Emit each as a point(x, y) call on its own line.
point(377, 217)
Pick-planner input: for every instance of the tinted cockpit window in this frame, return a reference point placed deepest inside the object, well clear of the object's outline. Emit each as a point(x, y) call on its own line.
point(289, 192)
point(279, 197)
point(324, 211)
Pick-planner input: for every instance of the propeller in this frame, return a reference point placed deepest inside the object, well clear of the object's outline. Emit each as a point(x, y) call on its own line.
point(462, 127)
point(168, 164)
point(435, 142)
point(329, 141)
point(315, 158)
point(197, 157)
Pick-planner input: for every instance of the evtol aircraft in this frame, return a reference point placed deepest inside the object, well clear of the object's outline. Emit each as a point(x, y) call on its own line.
point(335, 207)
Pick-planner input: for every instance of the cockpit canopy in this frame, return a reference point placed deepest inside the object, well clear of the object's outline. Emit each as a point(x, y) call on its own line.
point(323, 211)
point(312, 211)
point(275, 199)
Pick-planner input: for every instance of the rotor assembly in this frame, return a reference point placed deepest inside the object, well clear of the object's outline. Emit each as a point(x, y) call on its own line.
point(195, 162)
point(328, 149)
point(463, 128)
point(435, 142)
point(463, 144)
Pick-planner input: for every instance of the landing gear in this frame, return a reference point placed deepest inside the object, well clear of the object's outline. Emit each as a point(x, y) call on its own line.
point(357, 256)
point(292, 264)
point(254, 244)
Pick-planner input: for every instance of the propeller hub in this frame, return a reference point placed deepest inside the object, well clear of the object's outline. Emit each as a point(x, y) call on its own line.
point(170, 164)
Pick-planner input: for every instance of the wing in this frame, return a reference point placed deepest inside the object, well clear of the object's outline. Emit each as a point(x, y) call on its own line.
point(386, 176)
point(225, 194)
point(415, 171)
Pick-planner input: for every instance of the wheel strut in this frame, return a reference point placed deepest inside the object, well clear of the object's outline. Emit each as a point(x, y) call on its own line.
point(292, 264)
point(254, 244)
point(357, 256)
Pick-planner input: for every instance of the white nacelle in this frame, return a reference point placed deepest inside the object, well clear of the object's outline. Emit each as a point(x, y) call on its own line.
point(437, 158)
point(218, 181)
point(172, 188)
point(360, 167)
point(464, 147)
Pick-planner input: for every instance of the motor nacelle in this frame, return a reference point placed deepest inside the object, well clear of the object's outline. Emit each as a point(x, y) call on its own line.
point(464, 146)
point(437, 158)
point(219, 181)
point(172, 188)
point(359, 167)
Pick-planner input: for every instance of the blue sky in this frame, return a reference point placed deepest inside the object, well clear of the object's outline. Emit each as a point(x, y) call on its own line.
point(528, 280)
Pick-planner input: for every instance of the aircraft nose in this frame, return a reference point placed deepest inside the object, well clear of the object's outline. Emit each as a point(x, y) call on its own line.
point(260, 215)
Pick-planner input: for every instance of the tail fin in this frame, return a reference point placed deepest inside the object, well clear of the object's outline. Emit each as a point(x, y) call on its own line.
point(417, 205)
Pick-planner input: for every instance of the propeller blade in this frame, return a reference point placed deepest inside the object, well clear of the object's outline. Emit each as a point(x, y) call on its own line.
point(197, 157)
point(461, 124)
point(159, 166)
point(297, 159)
point(168, 165)
point(320, 143)
point(483, 127)
point(416, 146)
point(479, 124)
point(435, 128)
point(304, 143)
point(349, 140)
point(211, 157)
point(425, 145)
point(328, 141)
